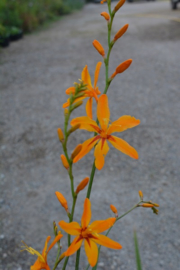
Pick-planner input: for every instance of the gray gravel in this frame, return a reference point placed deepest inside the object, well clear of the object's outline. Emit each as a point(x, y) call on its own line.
point(34, 74)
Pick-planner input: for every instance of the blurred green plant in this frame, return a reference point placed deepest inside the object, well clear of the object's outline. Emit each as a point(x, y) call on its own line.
point(29, 14)
point(138, 258)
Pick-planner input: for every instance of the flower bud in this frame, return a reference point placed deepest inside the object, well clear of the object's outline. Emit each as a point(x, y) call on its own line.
point(61, 257)
point(155, 204)
point(140, 194)
point(66, 111)
point(99, 47)
point(82, 184)
point(65, 162)
point(105, 15)
point(119, 5)
point(102, 2)
point(155, 211)
point(121, 32)
point(62, 200)
point(122, 67)
point(76, 105)
point(74, 128)
point(60, 135)
point(147, 205)
point(113, 209)
point(77, 149)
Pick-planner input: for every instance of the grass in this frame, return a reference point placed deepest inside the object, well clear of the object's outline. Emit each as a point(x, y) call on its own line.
point(30, 14)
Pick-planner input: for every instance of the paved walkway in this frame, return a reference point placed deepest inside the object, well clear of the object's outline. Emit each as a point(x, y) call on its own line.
point(34, 74)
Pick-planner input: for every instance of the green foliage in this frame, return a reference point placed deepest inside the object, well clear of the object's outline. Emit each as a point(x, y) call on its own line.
point(138, 258)
point(28, 14)
point(3, 32)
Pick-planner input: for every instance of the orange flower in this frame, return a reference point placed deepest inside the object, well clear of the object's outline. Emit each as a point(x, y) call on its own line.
point(41, 262)
point(119, 5)
point(102, 2)
point(89, 234)
point(104, 133)
point(62, 200)
point(82, 184)
point(105, 15)
point(65, 162)
point(114, 209)
point(91, 91)
point(97, 45)
point(121, 32)
point(60, 135)
point(122, 67)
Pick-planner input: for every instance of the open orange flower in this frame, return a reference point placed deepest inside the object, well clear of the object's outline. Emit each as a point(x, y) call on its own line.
point(104, 133)
point(89, 234)
point(91, 91)
point(41, 262)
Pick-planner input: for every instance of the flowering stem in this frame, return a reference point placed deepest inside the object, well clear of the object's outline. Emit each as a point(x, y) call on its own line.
point(135, 206)
point(110, 45)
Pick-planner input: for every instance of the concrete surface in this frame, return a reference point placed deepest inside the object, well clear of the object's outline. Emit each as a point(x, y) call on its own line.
point(34, 74)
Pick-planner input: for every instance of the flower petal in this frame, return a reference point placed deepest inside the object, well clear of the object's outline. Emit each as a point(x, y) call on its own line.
point(103, 113)
point(96, 73)
point(89, 108)
point(107, 242)
point(85, 123)
point(123, 146)
point(72, 228)
point(123, 123)
point(99, 226)
point(91, 250)
point(86, 216)
point(100, 152)
point(45, 246)
point(85, 76)
point(57, 238)
point(86, 148)
point(75, 245)
point(70, 90)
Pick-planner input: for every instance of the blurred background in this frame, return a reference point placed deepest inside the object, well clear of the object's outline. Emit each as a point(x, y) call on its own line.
point(44, 47)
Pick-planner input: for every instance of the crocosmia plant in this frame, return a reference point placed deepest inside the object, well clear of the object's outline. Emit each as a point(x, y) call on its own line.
point(87, 235)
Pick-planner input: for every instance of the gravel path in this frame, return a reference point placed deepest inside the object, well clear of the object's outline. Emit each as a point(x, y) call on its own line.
point(34, 74)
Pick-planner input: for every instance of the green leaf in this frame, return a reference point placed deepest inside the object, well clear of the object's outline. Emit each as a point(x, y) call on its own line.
point(138, 258)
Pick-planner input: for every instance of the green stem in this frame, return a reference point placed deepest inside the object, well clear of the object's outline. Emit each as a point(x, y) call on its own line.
point(91, 180)
point(110, 45)
point(77, 259)
point(136, 205)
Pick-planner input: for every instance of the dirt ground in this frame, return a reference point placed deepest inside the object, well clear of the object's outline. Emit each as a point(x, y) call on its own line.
point(34, 74)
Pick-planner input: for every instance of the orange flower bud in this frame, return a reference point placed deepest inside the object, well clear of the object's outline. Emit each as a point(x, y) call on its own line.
point(60, 135)
point(66, 111)
point(102, 2)
point(62, 200)
point(64, 162)
point(147, 205)
point(113, 209)
point(76, 151)
point(82, 184)
point(61, 256)
point(119, 5)
point(121, 32)
point(99, 47)
point(155, 204)
point(140, 194)
point(122, 67)
point(105, 15)
point(74, 128)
